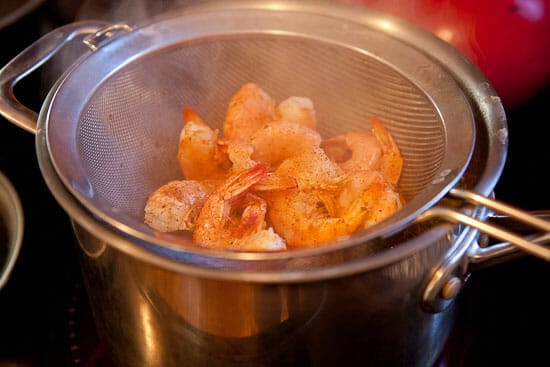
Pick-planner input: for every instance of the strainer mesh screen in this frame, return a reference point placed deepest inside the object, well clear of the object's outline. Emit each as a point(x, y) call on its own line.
point(128, 133)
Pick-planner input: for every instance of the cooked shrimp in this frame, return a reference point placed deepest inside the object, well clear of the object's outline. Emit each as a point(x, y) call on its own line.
point(249, 109)
point(199, 156)
point(274, 181)
point(356, 151)
point(231, 215)
point(378, 194)
point(311, 217)
point(271, 144)
point(272, 168)
point(275, 142)
point(176, 205)
point(312, 169)
point(239, 153)
point(298, 110)
point(302, 218)
point(262, 240)
point(392, 162)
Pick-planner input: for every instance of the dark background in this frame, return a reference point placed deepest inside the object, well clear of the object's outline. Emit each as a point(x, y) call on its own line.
point(44, 315)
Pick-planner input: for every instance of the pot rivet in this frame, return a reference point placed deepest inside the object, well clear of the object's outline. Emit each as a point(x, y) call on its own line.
point(450, 288)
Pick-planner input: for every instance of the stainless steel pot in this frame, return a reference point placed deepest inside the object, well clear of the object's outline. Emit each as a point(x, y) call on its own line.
point(384, 297)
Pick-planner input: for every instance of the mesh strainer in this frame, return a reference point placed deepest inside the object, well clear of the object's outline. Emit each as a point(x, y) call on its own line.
point(114, 119)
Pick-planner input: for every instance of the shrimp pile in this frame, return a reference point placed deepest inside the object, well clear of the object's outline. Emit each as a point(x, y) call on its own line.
point(270, 182)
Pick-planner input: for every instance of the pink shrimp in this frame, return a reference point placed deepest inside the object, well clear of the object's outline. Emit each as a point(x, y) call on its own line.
point(377, 193)
point(199, 155)
point(392, 162)
point(313, 217)
point(357, 151)
point(249, 109)
point(302, 218)
point(298, 110)
point(354, 151)
point(275, 142)
point(176, 205)
point(312, 169)
point(231, 215)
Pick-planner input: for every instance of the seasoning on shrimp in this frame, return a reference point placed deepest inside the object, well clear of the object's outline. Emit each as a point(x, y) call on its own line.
point(232, 215)
point(277, 141)
point(328, 204)
point(249, 109)
point(199, 155)
point(298, 110)
point(176, 205)
point(370, 151)
point(270, 182)
point(382, 200)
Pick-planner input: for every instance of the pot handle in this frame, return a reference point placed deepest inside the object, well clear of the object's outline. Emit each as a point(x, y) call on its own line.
point(447, 278)
point(35, 56)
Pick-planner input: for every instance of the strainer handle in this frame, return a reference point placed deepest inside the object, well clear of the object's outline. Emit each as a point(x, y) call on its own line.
point(29, 60)
point(494, 231)
point(454, 216)
point(468, 256)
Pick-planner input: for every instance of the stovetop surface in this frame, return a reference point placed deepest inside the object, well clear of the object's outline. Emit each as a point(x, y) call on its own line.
point(45, 319)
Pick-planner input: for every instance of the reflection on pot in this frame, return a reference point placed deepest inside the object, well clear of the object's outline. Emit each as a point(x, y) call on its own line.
point(174, 317)
point(229, 309)
point(148, 315)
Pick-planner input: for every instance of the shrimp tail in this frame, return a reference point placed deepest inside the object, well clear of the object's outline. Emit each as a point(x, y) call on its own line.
point(242, 182)
point(190, 115)
point(274, 181)
point(392, 161)
point(252, 218)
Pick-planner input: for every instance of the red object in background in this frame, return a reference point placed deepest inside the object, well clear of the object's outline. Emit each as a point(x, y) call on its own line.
point(509, 40)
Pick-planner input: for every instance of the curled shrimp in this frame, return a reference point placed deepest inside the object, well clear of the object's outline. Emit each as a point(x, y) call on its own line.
point(303, 219)
point(232, 216)
point(312, 217)
point(271, 144)
point(175, 206)
point(357, 151)
point(199, 155)
point(303, 216)
point(239, 153)
point(378, 195)
point(249, 109)
point(298, 110)
point(275, 142)
point(271, 168)
point(312, 169)
point(354, 151)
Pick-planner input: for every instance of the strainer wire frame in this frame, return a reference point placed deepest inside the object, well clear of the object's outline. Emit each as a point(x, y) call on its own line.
point(382, 230)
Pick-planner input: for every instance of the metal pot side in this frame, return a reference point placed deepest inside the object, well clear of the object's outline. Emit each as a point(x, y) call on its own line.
point(149, 315)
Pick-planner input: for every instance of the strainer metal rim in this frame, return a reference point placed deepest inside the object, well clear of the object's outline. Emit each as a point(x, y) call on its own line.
point(395, 224)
